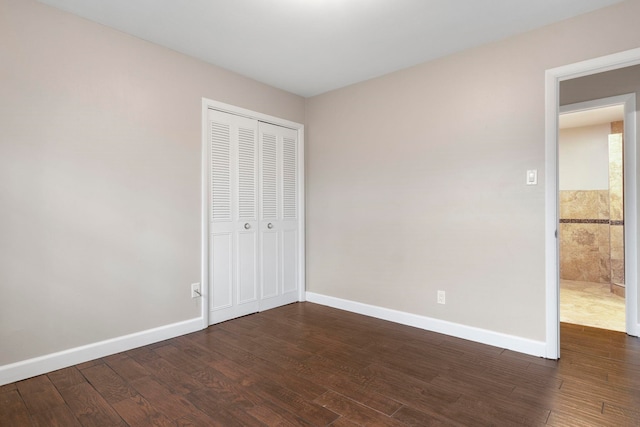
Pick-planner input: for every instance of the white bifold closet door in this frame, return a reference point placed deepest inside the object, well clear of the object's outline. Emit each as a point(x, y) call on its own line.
point(253, 216)
point(278, 215)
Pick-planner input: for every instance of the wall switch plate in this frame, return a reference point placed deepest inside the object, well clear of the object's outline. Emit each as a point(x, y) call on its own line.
point(195, 290)
point(532, 177)
point(441, 297)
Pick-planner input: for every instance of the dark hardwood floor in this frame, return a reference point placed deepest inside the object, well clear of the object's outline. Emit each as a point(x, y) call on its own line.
point(305, 364)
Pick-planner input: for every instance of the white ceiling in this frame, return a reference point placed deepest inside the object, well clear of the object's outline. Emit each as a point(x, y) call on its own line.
point(591, 117)
point(313, 46)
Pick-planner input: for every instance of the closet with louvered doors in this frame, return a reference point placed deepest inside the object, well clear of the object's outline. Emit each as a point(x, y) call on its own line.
point(254, 216)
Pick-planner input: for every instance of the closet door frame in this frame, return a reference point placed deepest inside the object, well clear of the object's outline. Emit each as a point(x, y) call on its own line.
point(208, 104)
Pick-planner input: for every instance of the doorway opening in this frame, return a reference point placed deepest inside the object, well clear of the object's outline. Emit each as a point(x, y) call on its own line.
point(591, 220)
point(623, 62)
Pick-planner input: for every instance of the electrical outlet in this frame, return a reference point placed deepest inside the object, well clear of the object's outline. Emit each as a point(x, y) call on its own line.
point(195, 290)
point(441, 297)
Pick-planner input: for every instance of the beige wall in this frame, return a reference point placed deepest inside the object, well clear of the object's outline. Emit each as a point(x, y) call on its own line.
point(583, 157)
point(602, 85)
point(100, 151)
point(416, 180)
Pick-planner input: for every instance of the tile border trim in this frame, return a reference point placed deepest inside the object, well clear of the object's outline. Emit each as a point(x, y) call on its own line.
point(591, 221)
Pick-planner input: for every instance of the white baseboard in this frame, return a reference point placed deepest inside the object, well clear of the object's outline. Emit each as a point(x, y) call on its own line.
point(496, 339)
point(51, 362)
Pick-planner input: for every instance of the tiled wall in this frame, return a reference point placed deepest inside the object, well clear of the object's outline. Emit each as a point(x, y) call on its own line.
point(592, 227)
point(584, 236)
point(617, 127)
point(616, 208)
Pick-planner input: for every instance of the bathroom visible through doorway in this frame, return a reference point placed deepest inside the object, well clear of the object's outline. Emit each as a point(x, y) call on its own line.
point(591, 201)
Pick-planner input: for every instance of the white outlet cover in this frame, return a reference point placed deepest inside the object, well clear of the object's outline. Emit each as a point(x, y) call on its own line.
point(195, 290)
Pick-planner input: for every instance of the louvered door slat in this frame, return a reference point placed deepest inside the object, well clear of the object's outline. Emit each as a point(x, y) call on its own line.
point(247, 174)
point(289, 179)
point(269, 177)
point(220, 172)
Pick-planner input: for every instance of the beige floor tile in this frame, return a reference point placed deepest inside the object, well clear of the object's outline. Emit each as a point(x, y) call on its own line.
point(591, 304)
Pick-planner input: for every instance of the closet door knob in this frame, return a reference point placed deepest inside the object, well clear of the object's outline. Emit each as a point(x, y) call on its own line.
point(269, 226)
point(247, 226)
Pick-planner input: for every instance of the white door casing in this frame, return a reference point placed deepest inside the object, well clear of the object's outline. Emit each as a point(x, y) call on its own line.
point(553, 77)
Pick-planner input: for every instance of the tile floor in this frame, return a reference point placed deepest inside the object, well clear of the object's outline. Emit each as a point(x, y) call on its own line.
point(591, 304)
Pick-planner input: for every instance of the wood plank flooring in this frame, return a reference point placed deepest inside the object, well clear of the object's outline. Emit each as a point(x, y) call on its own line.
point(305, 364)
